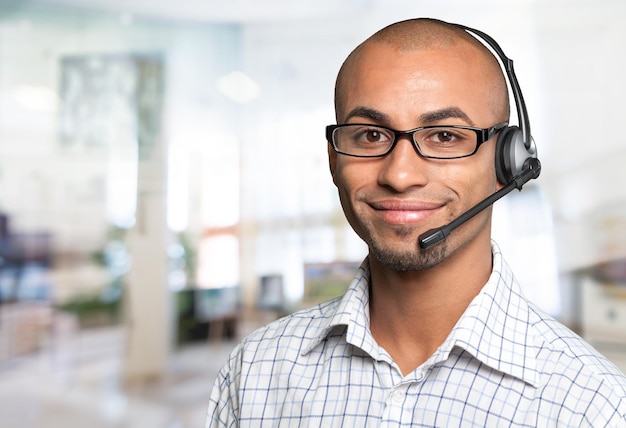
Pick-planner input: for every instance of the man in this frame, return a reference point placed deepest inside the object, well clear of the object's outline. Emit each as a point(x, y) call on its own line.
point(435, 337)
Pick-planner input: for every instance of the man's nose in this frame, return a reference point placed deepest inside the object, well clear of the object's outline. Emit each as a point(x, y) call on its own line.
point(404, 167)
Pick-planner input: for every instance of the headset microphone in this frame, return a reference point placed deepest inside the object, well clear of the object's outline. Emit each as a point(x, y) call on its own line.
point(532, 168)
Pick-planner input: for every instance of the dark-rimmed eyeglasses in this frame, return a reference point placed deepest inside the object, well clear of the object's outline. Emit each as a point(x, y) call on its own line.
point(434, 142)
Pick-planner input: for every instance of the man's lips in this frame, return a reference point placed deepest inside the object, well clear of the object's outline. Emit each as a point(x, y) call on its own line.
point(405, 212)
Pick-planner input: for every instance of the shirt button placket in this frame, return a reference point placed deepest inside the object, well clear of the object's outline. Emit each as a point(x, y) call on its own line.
point(393, 408)
point(397, 396)
point(397, 400)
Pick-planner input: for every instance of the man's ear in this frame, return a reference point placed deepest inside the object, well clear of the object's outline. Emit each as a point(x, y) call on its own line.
point(332, 162)
point(499, 185)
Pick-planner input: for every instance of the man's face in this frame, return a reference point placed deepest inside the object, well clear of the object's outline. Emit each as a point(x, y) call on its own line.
point(390, 201)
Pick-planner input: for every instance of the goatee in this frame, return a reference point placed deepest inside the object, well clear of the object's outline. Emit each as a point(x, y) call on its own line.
point(408, 261)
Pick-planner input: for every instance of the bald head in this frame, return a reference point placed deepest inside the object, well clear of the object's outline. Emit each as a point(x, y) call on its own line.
point(428, 34)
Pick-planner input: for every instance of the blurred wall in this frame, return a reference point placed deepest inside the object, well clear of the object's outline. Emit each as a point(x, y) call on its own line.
point(66, 189)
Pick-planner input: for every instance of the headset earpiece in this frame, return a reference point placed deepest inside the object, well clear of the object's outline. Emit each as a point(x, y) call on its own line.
point(502, 147)
point(511, 154)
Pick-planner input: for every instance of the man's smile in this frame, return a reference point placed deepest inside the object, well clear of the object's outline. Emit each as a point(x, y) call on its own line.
point(403, 212)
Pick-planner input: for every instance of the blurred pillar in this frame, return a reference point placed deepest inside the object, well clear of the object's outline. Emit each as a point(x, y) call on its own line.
point(148, 300)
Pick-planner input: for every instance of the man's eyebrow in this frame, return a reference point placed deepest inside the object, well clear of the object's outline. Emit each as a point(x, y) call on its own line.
point(367, 113)
point(445, 113)
point(424, 119)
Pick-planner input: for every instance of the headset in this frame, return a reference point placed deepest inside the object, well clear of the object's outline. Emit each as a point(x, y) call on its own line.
point(515, 145)
point(516, 155)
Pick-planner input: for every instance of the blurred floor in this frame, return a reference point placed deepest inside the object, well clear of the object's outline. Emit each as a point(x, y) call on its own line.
point(77, 383)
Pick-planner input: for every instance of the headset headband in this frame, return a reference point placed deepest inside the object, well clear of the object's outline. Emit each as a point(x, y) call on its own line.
point(522, 113)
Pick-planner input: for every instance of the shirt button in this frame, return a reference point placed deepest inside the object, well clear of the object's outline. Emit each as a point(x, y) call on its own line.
point(397, 396)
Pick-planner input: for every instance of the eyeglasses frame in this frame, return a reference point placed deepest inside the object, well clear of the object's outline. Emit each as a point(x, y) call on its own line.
point(482, 135)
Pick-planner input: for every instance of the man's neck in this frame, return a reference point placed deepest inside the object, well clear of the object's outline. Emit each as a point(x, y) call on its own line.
point(412, 313)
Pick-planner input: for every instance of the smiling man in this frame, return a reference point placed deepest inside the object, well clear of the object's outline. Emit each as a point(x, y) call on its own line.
point(440, 336)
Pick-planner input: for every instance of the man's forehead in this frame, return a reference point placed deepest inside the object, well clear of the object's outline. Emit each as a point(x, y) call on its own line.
point(381, 55)
point(380, 67)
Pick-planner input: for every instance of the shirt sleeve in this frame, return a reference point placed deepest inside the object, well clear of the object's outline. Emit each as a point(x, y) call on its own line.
point(222, 411)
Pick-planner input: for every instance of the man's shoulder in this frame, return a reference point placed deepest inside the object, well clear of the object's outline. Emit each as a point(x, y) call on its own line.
point(559, 357)
point(564, 356)
point(298, 327)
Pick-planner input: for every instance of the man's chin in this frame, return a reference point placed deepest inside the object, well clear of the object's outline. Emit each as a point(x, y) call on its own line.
point(409, 260)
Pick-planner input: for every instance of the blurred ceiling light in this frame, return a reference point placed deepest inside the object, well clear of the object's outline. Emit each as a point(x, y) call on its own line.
point(37, 98)
point(239, 87)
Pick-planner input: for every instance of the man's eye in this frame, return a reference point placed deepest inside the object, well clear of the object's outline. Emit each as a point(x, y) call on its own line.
point(443, 137)
point(373, 136)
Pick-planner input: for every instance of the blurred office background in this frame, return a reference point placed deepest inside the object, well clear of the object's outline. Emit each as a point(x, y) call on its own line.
point(164, 186)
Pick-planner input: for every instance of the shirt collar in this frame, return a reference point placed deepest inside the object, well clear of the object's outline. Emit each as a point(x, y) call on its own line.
point(495, 328)
point(352, 311)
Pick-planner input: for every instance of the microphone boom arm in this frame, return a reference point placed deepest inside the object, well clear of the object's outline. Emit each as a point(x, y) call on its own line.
point(531, 170)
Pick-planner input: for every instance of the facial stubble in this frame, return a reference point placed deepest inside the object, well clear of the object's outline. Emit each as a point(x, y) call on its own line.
point(406, 260)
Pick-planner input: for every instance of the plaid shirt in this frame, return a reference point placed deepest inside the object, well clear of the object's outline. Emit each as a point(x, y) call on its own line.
point(505, 363)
